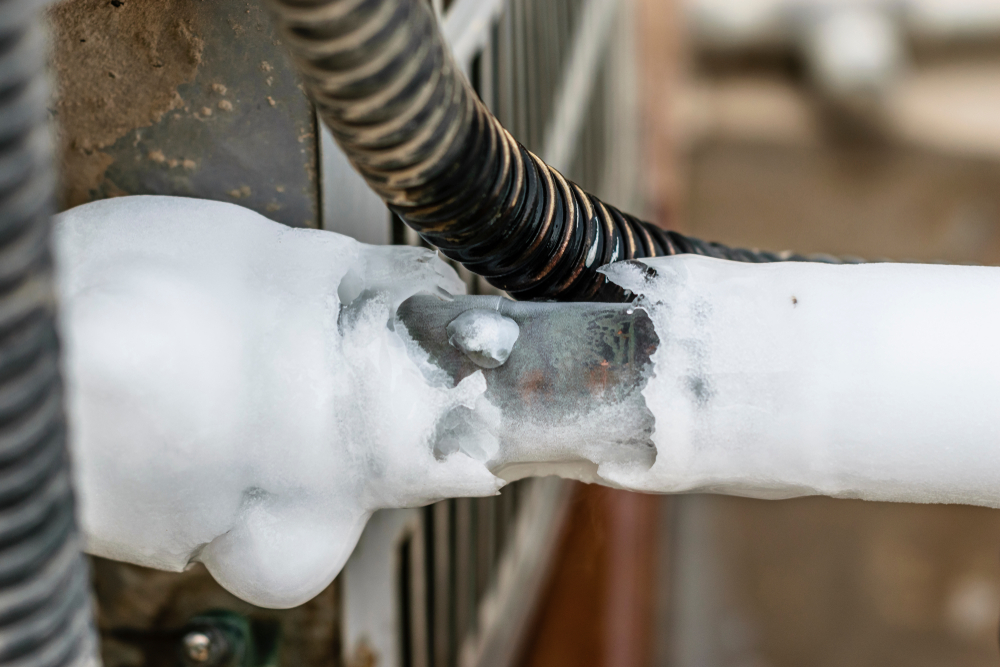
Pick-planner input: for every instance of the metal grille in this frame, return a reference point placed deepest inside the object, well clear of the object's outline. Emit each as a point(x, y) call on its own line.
point(454, 584)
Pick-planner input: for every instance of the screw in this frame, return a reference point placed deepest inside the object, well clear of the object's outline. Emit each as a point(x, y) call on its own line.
point(214, 639)
point(197, 647)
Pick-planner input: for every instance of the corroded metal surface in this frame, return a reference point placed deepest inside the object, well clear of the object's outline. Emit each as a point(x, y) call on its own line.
point(182, 97)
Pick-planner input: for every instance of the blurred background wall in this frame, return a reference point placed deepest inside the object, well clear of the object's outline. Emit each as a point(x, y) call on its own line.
point(861, 128)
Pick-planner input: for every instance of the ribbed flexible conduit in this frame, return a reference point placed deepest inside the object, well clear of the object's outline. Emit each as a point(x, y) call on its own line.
point(45, 613)
point(384, 82)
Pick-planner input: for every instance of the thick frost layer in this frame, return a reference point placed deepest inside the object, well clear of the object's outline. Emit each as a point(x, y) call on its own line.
point(878, 381)
point(226, 408)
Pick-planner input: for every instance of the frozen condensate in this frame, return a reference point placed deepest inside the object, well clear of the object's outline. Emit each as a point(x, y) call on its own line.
point(237, 395)
point(485, 336)
point(876, 381)
point(245, 395)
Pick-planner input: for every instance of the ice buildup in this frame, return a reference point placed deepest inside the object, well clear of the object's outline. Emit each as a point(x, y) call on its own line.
point(237, 395)
point(245, 395)
point(876, 381)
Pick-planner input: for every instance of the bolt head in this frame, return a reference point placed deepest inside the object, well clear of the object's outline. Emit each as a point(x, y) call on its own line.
point(197, 647)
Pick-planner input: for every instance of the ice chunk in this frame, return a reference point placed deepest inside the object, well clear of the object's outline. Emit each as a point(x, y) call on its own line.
point(485, 336)
point(227, 406)
point(877, 381)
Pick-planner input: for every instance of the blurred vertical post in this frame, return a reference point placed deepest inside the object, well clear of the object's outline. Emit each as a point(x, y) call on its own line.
point(602, 605)
point(598, 609)
point(660, 46)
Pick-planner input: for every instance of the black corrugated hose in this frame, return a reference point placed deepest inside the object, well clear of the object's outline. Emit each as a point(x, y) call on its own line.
point(45, 608)
point(385, 84)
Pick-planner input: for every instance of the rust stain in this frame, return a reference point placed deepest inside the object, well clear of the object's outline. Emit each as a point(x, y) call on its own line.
point(599, 377)
point(158, 157)
point(363, 655)
point(118, 66)
point(533, 383)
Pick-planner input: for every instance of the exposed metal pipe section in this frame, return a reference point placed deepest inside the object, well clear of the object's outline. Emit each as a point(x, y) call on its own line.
point(45, 616)
point(385, 83)
point(572, 361)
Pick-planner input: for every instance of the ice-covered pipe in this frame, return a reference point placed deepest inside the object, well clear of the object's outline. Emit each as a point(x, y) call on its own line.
point(875, 381)
point(245, 395)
